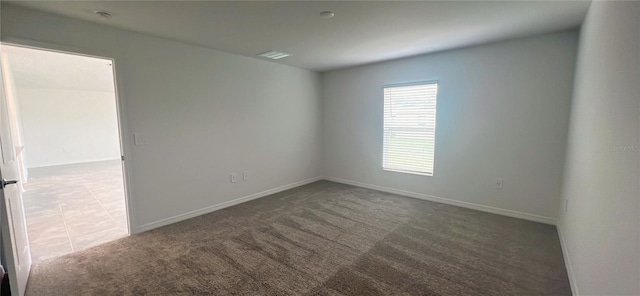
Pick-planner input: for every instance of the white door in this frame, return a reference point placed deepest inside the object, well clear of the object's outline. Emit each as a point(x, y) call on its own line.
point(15, 244)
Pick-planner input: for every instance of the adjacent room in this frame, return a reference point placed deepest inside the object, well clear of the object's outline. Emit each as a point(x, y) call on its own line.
point(68, 149)
point(334, 147)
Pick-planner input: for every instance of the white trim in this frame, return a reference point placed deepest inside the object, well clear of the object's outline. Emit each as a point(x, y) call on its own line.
point(464, 204)
point(567, 262)
point(77, 162)
point(209, 209)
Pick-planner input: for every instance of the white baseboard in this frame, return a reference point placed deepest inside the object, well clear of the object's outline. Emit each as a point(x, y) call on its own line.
point(464, 204)
point(209, 209)
point(567, 262)
point(73, 162)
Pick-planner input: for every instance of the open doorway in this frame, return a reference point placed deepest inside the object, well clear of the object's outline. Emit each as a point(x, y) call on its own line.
point(63, 108)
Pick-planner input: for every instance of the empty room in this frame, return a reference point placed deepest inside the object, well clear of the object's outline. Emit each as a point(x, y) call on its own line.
point(331, 147)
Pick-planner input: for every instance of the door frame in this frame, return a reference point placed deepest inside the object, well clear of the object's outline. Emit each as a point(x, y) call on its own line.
point(123, 129)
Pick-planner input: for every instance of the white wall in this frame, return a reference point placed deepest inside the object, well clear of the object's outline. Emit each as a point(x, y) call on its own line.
point(62, 126)
point(502, 113)
point(203, 114)
point(601, 228)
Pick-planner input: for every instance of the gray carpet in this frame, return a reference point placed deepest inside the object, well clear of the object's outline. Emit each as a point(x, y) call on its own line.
point(321, 239)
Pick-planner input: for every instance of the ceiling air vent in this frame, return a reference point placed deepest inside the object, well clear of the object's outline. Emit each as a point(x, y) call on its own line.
point(274, 55)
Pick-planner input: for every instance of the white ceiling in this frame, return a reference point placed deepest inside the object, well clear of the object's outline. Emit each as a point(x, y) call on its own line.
point(361, 32)
point(46, 69)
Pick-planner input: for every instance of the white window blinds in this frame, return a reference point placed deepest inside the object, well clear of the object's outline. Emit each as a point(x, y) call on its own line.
point(409, 128)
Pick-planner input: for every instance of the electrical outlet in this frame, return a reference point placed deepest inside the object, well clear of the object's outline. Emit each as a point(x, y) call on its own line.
point(499, 182)
point(234, 177)
point(245, 176)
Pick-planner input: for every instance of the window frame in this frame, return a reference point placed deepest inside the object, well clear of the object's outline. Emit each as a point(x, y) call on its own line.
point(392, 85)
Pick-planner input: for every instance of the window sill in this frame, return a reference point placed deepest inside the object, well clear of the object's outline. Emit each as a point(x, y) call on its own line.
point(409, 172)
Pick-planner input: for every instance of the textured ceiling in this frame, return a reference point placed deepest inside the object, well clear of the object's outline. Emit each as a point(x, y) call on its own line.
point(361, 32)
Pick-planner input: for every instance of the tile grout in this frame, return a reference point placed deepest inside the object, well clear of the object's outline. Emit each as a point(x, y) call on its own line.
point(66, 228)
point(44, 189)
point(98, 200)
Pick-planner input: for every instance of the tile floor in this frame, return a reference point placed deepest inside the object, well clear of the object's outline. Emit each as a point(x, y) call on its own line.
point(73, 207)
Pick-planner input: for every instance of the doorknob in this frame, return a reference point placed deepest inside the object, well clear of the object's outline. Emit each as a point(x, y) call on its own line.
point(4, 182)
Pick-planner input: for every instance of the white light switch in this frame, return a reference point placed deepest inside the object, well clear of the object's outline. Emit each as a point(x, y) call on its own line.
point(245, 176)
point(139, 139)
point(499, 183)
point(234, 177)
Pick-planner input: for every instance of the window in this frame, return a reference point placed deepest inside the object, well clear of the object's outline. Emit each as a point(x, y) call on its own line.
point(409, 128)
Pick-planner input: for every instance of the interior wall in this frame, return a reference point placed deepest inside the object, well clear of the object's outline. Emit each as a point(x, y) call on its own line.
point(502, 113)
point(200, 115)
point(600, 229)
point(64, 126)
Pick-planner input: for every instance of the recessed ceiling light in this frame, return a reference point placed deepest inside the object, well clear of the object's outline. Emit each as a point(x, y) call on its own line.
point(327, 14)
point(274, 55)
point(103, 14)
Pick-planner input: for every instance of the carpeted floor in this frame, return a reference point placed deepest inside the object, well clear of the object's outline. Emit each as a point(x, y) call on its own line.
point(321, 239)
